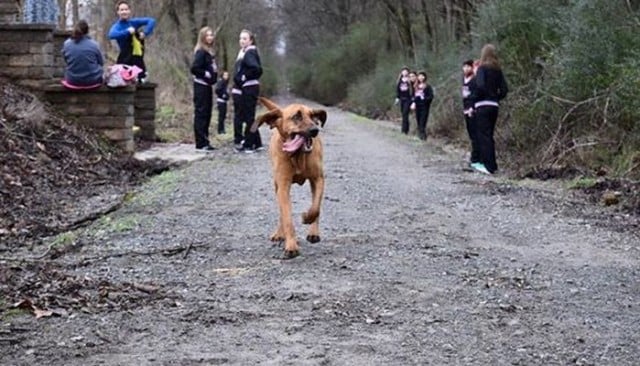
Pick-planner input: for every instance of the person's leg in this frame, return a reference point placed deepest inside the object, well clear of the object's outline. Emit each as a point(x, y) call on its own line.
point(237, 119)
point(208, 104)
point(222, 115)
point(250, 100)
point(425, 120)
point(405, 109)
point(199, 114)
point(475, 153)
point(485, 121)
point(420, 117)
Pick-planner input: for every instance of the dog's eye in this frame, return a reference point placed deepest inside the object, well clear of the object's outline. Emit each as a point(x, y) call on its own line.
point(297, 117)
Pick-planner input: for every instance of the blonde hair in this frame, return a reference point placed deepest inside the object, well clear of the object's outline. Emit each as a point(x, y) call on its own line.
point(202, 44)
point(489, 57)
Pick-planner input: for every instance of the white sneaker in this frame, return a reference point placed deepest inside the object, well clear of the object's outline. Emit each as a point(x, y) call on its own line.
point(481, 168)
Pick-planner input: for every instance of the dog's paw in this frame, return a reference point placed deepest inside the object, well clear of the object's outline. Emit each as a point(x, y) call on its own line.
point(277, 237)
point(313, 238)
point(290, 254)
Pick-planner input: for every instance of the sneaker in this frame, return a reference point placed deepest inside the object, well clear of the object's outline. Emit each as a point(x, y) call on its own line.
point(205, 148)
point(238, 147)
point(248, 151)
point(261, 148)
point(480, 168)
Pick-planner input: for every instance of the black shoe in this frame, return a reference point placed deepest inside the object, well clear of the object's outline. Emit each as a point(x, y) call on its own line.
point(205, 148)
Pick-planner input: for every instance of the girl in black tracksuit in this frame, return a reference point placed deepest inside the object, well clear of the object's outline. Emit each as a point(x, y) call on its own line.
point(422, 98)
point(204, 73)
point(468, 84)
point(404, 96)
point(222, 97)
point(248, 70)
point(490, 88)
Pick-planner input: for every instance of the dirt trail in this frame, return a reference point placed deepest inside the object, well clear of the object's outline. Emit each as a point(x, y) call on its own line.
point(420, 263)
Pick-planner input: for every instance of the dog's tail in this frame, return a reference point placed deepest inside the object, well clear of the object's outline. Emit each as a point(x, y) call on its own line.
point(268, 104)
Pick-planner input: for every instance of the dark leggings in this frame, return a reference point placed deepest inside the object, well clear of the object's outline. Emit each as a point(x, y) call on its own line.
point(252, 140)
point(471, 129)
point(405, 109)
point(485, 120)
point(203, 104)
point(237, 118)
point(422, 115)
point(222, 115)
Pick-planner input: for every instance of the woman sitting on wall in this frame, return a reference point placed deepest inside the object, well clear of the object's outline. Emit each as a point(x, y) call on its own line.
point(83, 58)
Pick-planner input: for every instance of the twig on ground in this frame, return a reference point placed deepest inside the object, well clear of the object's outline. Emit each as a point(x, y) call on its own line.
point(168, 252)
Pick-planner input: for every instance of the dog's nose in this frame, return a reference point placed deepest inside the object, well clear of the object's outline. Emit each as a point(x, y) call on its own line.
point(313, 131)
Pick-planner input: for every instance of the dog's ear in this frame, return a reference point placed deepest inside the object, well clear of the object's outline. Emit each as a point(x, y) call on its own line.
point(269, 118)
point(319, 115)
point(268, 104)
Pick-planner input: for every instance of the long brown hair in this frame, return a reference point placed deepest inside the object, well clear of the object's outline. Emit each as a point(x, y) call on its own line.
point(202, 44)
point(80, 30)
point(489, 57)
point(252, 36)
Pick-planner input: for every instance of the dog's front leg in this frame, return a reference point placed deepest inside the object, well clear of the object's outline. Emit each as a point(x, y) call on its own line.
point(291, 249)
point(313, 215)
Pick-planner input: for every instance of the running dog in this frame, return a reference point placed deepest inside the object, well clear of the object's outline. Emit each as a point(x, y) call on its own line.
point(296, 156)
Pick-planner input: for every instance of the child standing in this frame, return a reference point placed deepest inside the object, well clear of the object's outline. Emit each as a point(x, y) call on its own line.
point(222, 97)
point(204, 73)
point(423, 96)
point(468, 84)
point(490, 88)
point(404, 94)
point(248, 70)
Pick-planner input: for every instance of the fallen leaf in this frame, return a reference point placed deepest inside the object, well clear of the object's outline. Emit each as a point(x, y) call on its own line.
point(42, 313)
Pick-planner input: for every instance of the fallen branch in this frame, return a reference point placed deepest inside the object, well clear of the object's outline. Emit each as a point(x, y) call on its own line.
point(167, 252)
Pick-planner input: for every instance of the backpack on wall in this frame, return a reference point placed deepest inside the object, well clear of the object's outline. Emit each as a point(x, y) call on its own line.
point(120, 75)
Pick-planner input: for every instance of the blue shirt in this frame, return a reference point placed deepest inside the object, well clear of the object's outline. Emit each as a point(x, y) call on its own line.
point(84, 61)
point(120, 30)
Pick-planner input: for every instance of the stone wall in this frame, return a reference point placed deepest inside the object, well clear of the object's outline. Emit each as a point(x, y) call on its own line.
point(9, 11)
point(58, 61)
point(108, 111)
point(145, 111)
point(27, 53)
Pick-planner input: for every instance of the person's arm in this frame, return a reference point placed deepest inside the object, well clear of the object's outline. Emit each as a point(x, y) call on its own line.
point(428, 94)
point(116, 33)
point(148, 23)
point(253, 69)
point(503, 88)
point(198, 67)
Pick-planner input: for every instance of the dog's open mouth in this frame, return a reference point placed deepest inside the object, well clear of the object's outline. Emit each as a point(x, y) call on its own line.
point(297, 142)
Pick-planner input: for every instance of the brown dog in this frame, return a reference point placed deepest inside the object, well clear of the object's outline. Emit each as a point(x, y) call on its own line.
point(296, 156)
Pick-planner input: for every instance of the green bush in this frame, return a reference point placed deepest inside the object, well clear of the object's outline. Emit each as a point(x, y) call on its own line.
point(326, 75)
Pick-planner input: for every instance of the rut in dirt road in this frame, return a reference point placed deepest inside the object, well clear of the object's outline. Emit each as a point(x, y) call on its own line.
point(420, 263)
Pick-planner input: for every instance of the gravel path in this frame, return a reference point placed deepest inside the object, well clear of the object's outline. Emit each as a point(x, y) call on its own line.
point(420, 263)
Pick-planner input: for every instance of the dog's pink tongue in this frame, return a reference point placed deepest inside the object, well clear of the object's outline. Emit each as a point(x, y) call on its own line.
point(293, 145)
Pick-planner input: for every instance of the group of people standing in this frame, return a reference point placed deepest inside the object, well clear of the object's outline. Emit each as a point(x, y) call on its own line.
point(414, 93)
point(483, 86)
point(245, 91)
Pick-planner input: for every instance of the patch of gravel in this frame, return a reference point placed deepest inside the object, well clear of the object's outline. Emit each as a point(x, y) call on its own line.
point(419, 263)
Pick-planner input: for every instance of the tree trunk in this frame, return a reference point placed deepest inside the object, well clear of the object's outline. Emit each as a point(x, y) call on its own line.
point(400, 16)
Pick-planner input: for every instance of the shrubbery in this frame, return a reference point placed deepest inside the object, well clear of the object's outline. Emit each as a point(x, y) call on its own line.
point(573, 69)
